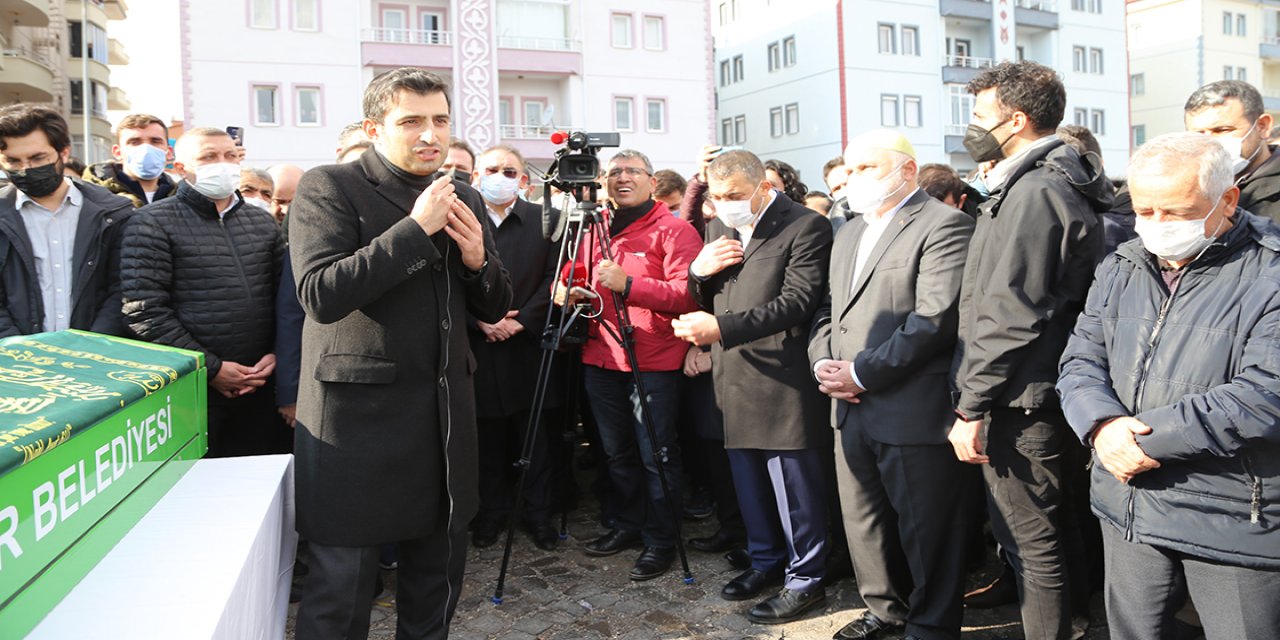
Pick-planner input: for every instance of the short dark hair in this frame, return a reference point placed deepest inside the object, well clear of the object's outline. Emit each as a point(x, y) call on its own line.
point(381, 94)
point(837, 161)
point(75, 165)
point(738, 161)
point(1216, 93)
point(1080, 138)
point(791, 185)
point(1025, 86)
point(940, 181)
point(20, 120)
point(141, 121)
point(818, 194)
point(458, 143)
point(669, 182)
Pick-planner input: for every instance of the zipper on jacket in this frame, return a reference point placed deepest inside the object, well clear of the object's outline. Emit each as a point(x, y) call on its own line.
point(235, 253)
point(1142, 387)
point(1255, 494)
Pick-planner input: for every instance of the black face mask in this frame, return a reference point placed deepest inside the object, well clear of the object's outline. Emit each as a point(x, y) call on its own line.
point(981, 145)
point(38, 182)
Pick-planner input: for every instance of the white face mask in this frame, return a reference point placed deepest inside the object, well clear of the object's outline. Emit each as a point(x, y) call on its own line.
point(496, 188)
point(1235, 149)
point(1176, 240)
point(737, 213)
point(258, 202)
point(217, 181)
point(866, 194)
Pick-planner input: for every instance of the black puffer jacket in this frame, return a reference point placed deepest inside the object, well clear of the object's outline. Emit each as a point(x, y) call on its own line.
point(1037, 241)
point(1260, 190)
point(195, 281)
point(1202, 369)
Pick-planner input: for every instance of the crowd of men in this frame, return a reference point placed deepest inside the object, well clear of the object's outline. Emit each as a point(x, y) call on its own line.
point(840, 377)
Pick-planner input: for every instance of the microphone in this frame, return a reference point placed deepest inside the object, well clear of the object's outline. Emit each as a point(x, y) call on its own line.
point(574, 275)
point(559, 137)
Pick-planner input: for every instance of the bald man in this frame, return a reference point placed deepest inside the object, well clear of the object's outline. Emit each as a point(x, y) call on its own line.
point(881, 349)
point(285, 177)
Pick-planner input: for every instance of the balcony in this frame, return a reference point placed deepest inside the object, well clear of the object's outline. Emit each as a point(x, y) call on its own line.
point(962, 69)
point(530, 54)
point(971, 9)
point(532, 140)
point(27, 13)
point(27, 77)
point(1036, 14)
point(116, 53)
point(118, 100)
point(538, 44)
point(116, 9)
point(1269, 49)
point(407, 47)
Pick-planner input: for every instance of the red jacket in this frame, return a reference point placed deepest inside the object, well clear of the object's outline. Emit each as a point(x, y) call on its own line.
point(655, 251)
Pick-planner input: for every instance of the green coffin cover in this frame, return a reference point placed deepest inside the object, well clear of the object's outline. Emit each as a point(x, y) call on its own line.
point(93, 431)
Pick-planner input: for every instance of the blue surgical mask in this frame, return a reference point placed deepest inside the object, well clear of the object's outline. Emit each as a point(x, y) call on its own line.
point(980, 186)
point(144, 161)
point(496, 188)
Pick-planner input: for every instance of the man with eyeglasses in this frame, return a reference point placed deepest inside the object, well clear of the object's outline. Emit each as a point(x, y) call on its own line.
point(648, 267)
point(508, 354)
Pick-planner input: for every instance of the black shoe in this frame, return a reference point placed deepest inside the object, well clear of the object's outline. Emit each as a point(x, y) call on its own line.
point(717, 543)
point(653, 562)
point(612, 542)
point(484, 534)
point(750, 584)
point(544, 535)
point(788, 605)
point(865, 627)
point(739, 559)
point(1003, 590)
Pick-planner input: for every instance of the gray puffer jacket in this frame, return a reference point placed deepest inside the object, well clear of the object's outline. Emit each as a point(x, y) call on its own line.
point(1202, 369)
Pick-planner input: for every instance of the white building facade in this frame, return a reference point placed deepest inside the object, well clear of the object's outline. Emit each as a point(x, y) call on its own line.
point(292, 72)
point(796, 80)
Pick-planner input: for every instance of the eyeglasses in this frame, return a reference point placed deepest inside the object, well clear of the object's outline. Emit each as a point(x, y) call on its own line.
point(634, 172)
point(506, 173)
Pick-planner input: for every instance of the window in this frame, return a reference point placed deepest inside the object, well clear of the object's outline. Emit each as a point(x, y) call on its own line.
point(504, 111)
point(910, 41)
point(395, 25)
point(1138, 135)
point(724, 13)
point(1078, 59)
point(1092, 6)
point(1138, 84)
point(1095, 6)
point(1081, 117)
point(725, 79)
point(726, 131)
point(789, 51)
point(1020, 52)
point(775, 56)
point(1226, 23)
point(97, 41)
point(655, 33)
point(912, 112)
point(888, 44)
point(431, 27)
point(262, 14)
point(961, 104)
point(960, 48)
point(1241, 74)
point(622, 114)
point(307, 101)
point(738, 66)
point(622, 30)
point(1077, 5)
point(793, 118)
point(97, 96)
point(656, 112)
point(775, 122)
point(1241, 25)
point(1097, 122)
point(533, 110)
point(1095, 61)
point(266, 105)
point(1228, 73)
point(739, 129)
point(306, 15)
point(888, 110)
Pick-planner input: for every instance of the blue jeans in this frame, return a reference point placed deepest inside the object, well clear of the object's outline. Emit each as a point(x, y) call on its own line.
point(615, 404)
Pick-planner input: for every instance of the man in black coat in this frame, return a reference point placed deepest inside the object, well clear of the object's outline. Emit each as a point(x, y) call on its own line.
point(1036, 243)
point(199, 271)
point(759, 284)
point(1233, 113)
point(881, 349)
point(59, 239)
point(508, 355)
point(389, 260)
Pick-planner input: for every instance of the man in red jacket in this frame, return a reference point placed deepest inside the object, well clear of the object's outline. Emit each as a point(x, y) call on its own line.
point(648, 266)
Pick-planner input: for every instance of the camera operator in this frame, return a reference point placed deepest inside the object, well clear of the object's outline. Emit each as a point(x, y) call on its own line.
point(650, 257)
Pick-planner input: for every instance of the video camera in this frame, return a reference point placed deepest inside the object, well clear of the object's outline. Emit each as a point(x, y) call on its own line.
point(573, 170)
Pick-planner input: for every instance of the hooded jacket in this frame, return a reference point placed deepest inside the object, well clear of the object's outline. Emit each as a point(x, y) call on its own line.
point(1037, 241)
point(1201, 367)
point(95, 283)
point(111, 176)
point(1260, 190)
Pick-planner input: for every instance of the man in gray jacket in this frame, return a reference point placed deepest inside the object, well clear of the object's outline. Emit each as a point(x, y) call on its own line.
point(1173, 376)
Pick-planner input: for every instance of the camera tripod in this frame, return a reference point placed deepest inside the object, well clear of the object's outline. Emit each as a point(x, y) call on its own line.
point(584, 222)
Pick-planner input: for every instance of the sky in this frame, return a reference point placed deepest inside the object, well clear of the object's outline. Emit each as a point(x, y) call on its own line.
point(153, 78)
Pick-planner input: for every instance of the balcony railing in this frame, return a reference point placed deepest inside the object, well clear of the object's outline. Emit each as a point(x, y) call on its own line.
point(1038, 5)
point(538, 43)
point(952, 129)
point(30, 54)
point(967, 61)
point(409, 36)
point(527, 131)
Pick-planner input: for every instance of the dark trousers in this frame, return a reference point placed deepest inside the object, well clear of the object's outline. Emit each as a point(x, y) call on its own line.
point(338, 596)
point(1147, 585)
point(501, 442)
point(903, 510)
point(784, 500)
point(637, 487)
point(1025, 495)
point(698, 405)
point(247, 425)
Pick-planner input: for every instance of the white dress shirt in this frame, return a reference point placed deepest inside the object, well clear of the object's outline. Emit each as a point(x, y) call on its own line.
point(53, 241)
